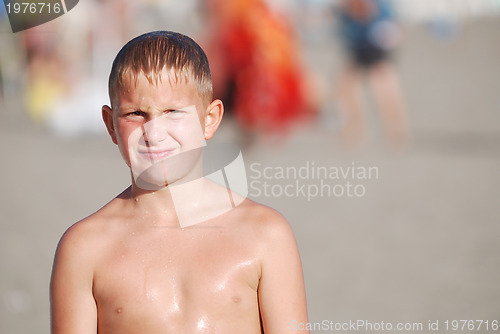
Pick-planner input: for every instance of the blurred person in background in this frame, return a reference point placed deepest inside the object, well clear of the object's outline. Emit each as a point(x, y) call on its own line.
point(88, 43)
point(63, 61)
point(257, 67)
point(46, 80)
point(369, 33)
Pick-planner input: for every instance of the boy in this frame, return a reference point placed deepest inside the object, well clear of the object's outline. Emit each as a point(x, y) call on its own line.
point(167, 255)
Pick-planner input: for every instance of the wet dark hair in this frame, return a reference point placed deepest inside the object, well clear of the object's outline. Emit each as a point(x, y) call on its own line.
point(150, 53)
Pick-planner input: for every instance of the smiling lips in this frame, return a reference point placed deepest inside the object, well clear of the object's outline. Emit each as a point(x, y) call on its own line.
point(156, 154)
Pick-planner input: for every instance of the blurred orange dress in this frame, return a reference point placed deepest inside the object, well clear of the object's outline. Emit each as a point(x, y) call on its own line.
point(256, 49)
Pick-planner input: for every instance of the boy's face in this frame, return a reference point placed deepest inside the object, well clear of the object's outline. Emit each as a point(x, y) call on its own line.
point(152, 124)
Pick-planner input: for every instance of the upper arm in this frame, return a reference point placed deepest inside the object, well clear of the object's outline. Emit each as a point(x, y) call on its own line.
point(282, 299)
point(73, 308)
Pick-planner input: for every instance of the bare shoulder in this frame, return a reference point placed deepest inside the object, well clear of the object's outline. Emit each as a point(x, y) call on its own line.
point(281, 291)
point(270, 224)
point(247, 213)
point(73, 307)
point(86, 237)
point(261, 213)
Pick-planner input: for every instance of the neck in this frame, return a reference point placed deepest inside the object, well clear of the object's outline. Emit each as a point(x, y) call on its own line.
point(172, 205)
point(155, 205)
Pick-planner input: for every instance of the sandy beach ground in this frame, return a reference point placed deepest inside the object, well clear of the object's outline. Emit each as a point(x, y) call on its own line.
point(421, 244)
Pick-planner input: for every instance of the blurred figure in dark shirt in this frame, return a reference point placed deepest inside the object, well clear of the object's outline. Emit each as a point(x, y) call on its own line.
point(369, 33)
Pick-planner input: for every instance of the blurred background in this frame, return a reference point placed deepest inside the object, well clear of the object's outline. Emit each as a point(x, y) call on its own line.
point(410, 88)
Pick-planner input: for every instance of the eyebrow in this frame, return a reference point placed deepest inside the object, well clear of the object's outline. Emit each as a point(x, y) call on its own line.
point(188, 108)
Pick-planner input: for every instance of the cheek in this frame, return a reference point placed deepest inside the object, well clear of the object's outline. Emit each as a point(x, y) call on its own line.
point(189, 134)
point(125, 137)
point(127, 130)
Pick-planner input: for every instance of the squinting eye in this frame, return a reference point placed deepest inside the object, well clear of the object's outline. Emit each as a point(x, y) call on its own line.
point(135, 113)
point(174, 112)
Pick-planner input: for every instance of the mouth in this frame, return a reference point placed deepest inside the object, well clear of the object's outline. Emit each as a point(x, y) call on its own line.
point(156, 154)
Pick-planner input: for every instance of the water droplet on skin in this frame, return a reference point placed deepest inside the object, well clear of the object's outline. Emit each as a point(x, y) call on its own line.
point(202, 324)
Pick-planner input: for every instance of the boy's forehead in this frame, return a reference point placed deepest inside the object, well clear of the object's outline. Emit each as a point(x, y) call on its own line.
point(169, 77)
point(168, 85)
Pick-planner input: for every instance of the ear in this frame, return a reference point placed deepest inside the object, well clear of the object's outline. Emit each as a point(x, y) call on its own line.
point(107, 116)
point(213, 117)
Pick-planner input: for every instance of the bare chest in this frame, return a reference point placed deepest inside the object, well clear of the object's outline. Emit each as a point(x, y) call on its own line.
point(177, 280)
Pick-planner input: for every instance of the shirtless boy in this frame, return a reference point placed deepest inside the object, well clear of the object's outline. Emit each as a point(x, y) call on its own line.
point(135, 266)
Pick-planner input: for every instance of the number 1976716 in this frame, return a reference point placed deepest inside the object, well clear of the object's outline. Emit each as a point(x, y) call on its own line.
point(33, 8)
point(471, 325)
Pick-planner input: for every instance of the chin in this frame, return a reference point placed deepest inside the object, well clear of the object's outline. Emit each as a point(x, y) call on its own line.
point(172, 170)
point(152, 178)
point(158, 176)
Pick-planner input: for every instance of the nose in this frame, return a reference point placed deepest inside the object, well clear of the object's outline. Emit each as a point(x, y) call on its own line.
point(155, 131)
